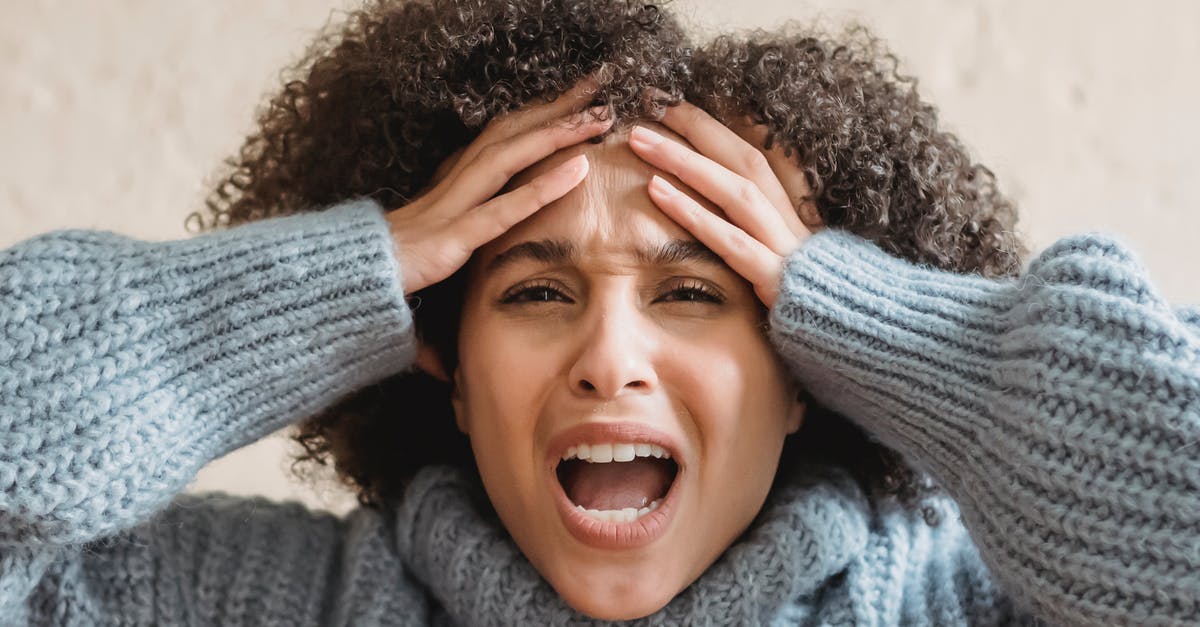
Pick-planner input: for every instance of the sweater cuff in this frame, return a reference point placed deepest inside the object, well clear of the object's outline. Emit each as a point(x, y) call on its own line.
point(286, 316)
point(905, 351)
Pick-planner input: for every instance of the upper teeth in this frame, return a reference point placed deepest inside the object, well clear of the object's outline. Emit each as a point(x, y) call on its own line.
point(618, 452)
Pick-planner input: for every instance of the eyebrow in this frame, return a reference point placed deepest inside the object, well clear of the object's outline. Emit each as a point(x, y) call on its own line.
point(551, 251)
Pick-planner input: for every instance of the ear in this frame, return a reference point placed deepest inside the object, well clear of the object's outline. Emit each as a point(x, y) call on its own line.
point(430, 363)
point(797, 410)
point(456, 401)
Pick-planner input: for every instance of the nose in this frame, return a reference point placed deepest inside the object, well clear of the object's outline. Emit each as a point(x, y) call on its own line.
point(616, 355)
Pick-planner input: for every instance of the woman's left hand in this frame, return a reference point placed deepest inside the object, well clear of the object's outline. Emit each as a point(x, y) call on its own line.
point(757, 189)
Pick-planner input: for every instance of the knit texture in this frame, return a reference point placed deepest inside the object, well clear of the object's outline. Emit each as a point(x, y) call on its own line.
point(1060, 411)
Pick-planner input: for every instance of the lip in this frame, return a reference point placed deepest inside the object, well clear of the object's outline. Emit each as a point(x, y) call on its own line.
point(604, 534)
point(603, 432)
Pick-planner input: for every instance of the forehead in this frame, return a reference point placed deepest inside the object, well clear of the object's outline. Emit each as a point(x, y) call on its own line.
point(609, 211)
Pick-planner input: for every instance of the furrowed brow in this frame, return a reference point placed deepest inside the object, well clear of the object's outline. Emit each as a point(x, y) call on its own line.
point(550, 252)
point(679, 251)
point(547, 251)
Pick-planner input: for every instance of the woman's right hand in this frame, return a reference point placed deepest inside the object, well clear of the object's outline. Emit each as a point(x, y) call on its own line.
point(436, 233)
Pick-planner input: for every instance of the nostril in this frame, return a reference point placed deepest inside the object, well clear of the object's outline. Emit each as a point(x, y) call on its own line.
point(589, 387)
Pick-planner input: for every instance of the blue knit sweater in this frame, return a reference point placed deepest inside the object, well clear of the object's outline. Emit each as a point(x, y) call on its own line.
point(1061, 411)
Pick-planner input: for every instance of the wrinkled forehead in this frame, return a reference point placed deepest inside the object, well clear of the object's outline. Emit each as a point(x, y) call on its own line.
point(610, 210)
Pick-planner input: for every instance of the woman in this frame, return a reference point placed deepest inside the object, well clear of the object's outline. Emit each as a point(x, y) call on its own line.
point(678, 381)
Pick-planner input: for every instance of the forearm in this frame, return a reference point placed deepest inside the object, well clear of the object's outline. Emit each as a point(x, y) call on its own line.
point(125, 366)
point(1053, 408)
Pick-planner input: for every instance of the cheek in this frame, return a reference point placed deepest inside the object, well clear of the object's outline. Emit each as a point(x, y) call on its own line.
point(502, 387)
point(501, 378)
point(505, 383)
point(739, 404)
point(487, 359)
point(737, 385)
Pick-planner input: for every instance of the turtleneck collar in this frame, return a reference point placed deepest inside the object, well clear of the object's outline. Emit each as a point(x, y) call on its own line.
point(814, 522)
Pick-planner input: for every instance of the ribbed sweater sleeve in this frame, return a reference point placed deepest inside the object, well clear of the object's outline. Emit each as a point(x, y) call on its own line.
point(126, 366)
point(1060, 409)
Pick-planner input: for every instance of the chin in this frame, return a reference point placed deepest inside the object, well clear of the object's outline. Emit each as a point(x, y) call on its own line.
point(622, 598)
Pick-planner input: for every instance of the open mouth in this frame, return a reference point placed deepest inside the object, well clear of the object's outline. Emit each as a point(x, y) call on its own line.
point(616, 482)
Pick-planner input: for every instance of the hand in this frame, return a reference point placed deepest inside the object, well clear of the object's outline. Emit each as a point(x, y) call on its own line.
point(436, 233)
point(758, 189)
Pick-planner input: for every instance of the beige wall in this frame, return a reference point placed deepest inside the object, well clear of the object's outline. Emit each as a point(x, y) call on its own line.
point(115, 114)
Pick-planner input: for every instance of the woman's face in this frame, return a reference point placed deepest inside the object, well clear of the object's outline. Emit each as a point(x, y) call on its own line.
point(601, 330)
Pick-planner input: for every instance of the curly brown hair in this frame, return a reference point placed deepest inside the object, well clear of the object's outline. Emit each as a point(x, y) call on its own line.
point(383, 97)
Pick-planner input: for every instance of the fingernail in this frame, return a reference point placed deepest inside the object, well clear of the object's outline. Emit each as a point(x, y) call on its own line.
point(598, 111)
point(645, 135)
point(661, 184)
point(575, 164)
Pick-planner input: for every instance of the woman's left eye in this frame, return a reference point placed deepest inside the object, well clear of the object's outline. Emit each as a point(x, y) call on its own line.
point(693, 292)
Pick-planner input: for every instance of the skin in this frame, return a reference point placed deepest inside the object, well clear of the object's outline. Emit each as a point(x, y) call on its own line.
point(615, 340)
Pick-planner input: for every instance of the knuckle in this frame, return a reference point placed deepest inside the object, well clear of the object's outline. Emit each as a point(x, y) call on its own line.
point(483, 217)
point(547, 190)
point(467, 156)
point(487, 136)
point(536, 192)
point(504, 173)
point(501, 124)
point(497, 161)
point(747, 193)
point(736, 242)
point(739, 244)
point(685, 159)
point(492, 222)
point(487, 154)
point(753, 161)
point(493, 169)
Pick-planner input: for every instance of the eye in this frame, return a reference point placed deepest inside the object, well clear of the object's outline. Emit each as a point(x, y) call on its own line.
point(533, 293)
point(693, 291)
point(541, 292)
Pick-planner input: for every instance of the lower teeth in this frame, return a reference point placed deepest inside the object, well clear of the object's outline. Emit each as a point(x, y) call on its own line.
point(628, 514)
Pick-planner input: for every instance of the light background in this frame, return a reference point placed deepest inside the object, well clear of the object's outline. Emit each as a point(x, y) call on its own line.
point(116, 114)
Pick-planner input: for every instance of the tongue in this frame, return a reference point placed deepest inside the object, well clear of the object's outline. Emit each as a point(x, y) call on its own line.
point(617, 485)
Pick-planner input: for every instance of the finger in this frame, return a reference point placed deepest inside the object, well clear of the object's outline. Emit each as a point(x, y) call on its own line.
point(492, 168)
point(790, 174)
point(723, 145)
point(491, 219)
point(539, 113)
point(536, 114)
point(740, 198)
point(575, 99)
point(747, 256)
point(479, 175)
